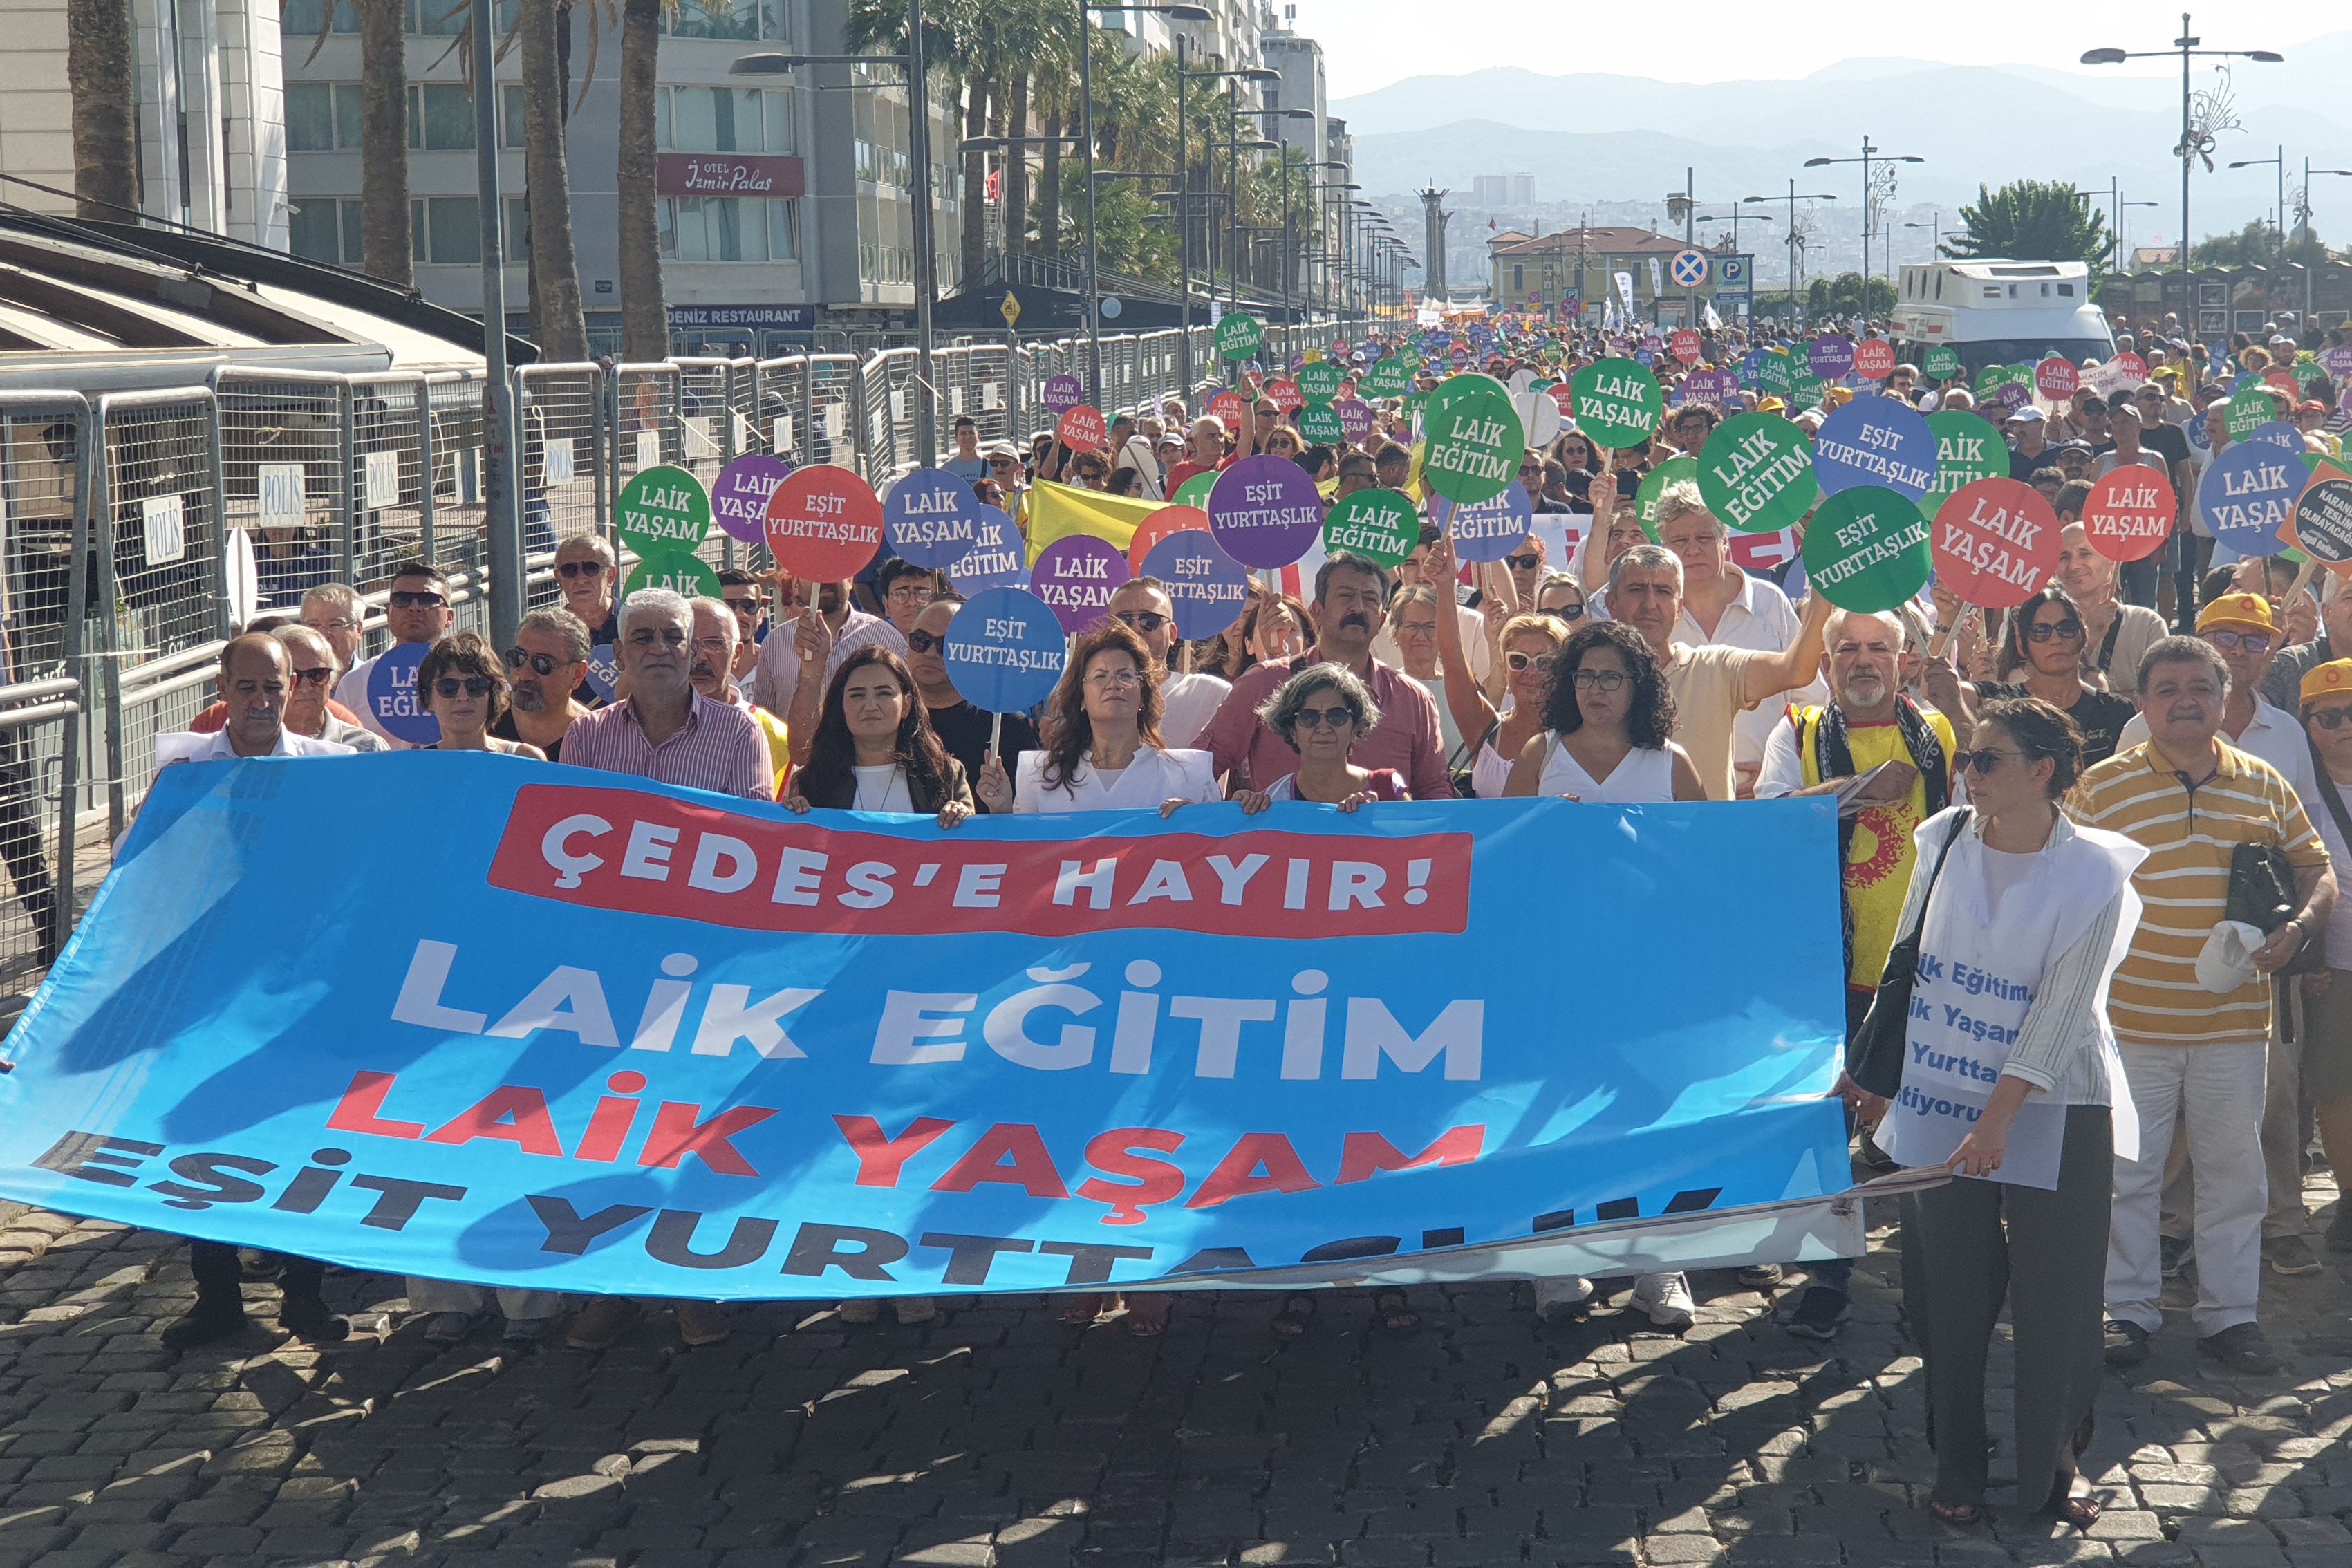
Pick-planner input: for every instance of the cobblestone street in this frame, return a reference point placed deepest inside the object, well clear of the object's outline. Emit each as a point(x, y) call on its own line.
point(996, 1436)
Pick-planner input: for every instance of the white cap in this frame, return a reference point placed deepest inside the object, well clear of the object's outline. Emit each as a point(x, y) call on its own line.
point(2227, 959)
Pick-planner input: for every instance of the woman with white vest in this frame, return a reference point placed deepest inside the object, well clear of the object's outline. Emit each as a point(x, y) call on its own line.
point(2008, 1073)
point(1102, 738)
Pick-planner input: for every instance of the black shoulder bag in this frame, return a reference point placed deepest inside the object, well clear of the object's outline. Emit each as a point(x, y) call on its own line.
point(1874, 1057)
point(2261, 885)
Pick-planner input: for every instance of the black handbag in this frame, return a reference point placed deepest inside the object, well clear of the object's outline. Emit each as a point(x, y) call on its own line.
point(2261, 894)
point(1874, 1057)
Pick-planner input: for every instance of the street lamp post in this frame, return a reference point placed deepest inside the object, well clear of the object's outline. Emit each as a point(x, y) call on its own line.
point(1793, 199)
point(2278, 162)
point(2185, 46)
point(501, 495)
point(1869, 156)
point(2303, 213)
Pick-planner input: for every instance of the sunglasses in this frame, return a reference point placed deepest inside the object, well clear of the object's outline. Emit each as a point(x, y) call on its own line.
point(1145, 621)
point(472, 686)
point(581, 569)
point(924, 642)
point(1564, 612)
point(1523, 563)
point(2232, 642)
point(1980, 763)
point(744, 606)
point(1521, 662)
point(540, 663)
point(402, 599)
point(2331, 718)
point(2055, 631)
point(319, 677)
point(1318, 718)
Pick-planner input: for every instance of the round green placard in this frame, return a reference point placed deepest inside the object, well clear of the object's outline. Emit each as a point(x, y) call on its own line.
point(1383, 524)
point(1238, 336)
point(2251, 408)
point(1673, 471)
point(1475, 439)
point(1617, 402)
point(1391, 377)
point(1966, 449)
point(679, 571)
point(1942, 364)
point(663, 508)
point(1319, 382)
point(1320, 422)
point(1867, 549)
point(1756, 473)
point(1194, 491)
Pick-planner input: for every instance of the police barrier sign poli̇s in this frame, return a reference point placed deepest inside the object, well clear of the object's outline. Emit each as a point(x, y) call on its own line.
point(1879, 441)
point(824, 524)
point(663, 508)
point(2246, 493)
point(1264, 510)
point(2129, 512)
point(1075, 576)
point(1487, 530)
point(1756, 473)
point(1617, 402)
point(739, 496)
point(1207, 588)
point(995, 560)
point(931, 517)
point(1377, 523)
point(1115, 1038)
point(1995, 542)
point(392, 698)
point(1004, 651)
point(1867, 549)
point(1474, 438)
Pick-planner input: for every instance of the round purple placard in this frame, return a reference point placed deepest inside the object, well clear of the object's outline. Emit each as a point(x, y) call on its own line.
point(1062, 394)
point(1078, 575)
point(1830, 355)
point(738, 499)
point(1265, 511)
point(1355, 418)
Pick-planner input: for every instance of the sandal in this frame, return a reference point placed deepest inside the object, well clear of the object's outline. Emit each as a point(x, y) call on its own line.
point(1959, 1513)
point(1393, 1313)
point(1147, 1322)
point(1082, 1311)
point(2082, 1513)
point(1292, 1320)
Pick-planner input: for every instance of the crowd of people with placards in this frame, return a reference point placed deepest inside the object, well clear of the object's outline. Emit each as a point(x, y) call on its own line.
point(2065, 644)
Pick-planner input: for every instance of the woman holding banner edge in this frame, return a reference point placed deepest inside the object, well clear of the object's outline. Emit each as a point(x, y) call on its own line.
point(2037, 913)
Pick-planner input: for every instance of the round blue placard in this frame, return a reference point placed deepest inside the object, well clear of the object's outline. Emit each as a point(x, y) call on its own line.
point(1207, 586)
point(392, 698)
point(1004, 651)
point(1879, 441)
point(2247, 492)
point(1487, 530)
point(931, 518)
point(995, 559)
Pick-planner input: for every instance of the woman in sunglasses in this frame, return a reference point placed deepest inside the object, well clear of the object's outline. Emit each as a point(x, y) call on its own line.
point(464, 686)
point(2009, 1078)
point(1320, 714)
point(2044, 644)
point(1527, 643)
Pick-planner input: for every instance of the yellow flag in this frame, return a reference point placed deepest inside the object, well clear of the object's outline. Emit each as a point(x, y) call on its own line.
point(1057, 511)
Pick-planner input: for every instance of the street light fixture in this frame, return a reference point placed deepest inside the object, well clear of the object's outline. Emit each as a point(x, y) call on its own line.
point(1869, 156)
point(1793, 198)
point(2186, 47)
point(1183, 209)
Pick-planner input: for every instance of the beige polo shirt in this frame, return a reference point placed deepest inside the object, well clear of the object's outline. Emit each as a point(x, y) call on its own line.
point(1708, 684)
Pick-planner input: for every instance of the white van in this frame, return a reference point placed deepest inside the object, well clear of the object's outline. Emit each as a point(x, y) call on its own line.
point(2000, 312)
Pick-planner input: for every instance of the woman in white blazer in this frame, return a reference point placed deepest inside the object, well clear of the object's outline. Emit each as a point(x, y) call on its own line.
point(1102, 739)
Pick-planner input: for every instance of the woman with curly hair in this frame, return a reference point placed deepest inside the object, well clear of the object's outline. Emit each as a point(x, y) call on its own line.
point(1103, 750)
point(1608, 723)
point(875, 748)
point(464, 686)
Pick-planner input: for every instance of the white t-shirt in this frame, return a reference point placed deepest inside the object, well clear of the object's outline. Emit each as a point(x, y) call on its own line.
point(1474, 651)
point(212, 746)
point(1152, 777)
point(881, 788)
point(1187, 703)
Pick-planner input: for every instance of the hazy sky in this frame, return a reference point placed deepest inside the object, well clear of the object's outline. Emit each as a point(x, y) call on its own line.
point(1371, 43)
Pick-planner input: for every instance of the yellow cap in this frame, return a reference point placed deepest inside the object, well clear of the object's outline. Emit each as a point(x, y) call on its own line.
point(2237, 610)
point(1840, 396)
point(1771, 405)
point(2331, 677)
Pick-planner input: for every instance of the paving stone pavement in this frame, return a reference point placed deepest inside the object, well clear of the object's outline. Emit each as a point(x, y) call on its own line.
point(997, 1437)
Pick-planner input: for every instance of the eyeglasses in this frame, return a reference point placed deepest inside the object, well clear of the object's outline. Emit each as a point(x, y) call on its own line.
point(1564, 612)
point(581, 569)
point(1110, 677)
point(1318, 718)
point(912, 591)
point(1144, 621)
point(2331, 718)
point(472, 686)
point(338, 624)
point(540, 663)
point(1523, 563)
point(1601, 681)
point(1981, 762)
point(2233, 642)
point(2069, 630)
point(402, 599)
point(924, 642)
point(318, 677)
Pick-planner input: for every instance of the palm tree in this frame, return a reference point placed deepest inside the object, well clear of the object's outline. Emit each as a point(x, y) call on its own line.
point(555, 309)
point(644, 313)
point(387, 248)
point(1056, 88)
point(105, 124)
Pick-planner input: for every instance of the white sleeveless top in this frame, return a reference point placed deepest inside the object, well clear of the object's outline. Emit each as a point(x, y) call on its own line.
point(1647, 773)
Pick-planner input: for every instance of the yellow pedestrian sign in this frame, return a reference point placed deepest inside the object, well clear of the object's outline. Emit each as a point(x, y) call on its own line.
point(1011, 308)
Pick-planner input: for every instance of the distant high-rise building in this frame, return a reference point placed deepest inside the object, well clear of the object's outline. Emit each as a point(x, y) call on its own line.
point(1503, 191)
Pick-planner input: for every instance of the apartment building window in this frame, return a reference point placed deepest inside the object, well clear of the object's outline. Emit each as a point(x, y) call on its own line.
point(734, 19)
point(445, 231)
point(331, 229)
point(440, 117)
point(882, 165)
point(727, 229)
point(723, 119)
point(447, 18)
point(321, 117)
point(302, 19)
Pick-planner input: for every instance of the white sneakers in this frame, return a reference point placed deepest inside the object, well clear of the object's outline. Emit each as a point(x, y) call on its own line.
point(1666, 1298)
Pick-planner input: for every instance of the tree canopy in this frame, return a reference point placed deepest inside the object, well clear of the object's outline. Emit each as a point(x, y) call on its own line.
point(2033, 220)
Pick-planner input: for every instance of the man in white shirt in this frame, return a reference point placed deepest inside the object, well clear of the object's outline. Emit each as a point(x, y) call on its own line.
point(1187, 702)
point(1722, 605)
point(416, 610)
point(794, 644)
point(254, 678)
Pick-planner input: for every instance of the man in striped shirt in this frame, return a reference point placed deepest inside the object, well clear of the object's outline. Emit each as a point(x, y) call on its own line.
point(2192, 1054)
point(664, 728)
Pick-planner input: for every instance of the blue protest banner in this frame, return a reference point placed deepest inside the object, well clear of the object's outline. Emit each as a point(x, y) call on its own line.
point(1004, 651)
point(1207, 586)
point(931, 518)
point(1878, 441)
point(2246, 493)
point(651, 1041)
point(392, 697)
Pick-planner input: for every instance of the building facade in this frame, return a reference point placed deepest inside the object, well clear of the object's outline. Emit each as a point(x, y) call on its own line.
point(1584, 264)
